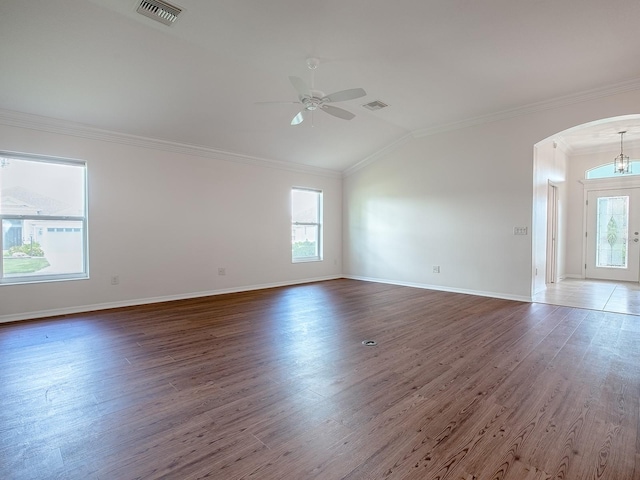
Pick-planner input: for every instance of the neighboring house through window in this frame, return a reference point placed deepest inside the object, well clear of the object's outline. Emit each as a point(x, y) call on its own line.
point(44, 218)
point(306, 225)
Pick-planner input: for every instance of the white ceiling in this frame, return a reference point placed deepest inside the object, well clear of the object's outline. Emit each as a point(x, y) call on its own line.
point(436, 62)
point(602, 136)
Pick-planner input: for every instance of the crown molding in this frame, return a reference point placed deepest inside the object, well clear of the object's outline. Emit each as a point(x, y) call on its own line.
point(63, 127)
point(551, 104)
point(374, 157)
point(611, 148)
point(528, 109)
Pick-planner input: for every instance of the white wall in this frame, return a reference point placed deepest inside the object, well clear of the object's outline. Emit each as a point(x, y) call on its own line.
point(452, 199)
point(166, 221)
point(449, 199)
point(550, 165)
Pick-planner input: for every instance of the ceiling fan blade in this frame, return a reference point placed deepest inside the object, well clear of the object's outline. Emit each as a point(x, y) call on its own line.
point(300, 86)
point(276, 103)
point(298, 119)
point(337, 112)
point(343, 95)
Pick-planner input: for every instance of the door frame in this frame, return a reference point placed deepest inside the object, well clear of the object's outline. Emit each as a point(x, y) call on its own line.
point(600, 184)
point(551, 269)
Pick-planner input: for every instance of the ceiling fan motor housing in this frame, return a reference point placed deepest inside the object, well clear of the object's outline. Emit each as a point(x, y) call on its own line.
point(312, 100)
point(311, 103)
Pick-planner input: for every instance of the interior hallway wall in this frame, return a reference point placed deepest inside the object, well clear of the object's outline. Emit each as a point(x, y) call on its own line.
point(550, 167)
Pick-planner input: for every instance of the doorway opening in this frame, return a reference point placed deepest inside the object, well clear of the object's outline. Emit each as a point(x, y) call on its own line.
point(552, 234)
point(586, 228)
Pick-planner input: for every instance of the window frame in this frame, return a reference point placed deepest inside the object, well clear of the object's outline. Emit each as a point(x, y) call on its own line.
point(611, 174)
point(318, 225)
point(83, 219)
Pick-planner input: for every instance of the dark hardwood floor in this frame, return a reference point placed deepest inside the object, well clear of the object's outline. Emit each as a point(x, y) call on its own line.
point(276, 384)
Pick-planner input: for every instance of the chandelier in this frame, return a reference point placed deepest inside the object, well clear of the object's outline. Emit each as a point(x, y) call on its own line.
point(621, 162)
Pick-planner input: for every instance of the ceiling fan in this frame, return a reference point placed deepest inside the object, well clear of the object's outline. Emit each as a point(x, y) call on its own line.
point(312, 100)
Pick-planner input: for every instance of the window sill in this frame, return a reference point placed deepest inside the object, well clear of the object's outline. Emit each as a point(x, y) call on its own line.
point(306, 260)
point(41, 279)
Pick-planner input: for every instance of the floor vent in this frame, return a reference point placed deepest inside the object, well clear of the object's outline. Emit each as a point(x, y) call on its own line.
point(375, 105)
point(159, 10)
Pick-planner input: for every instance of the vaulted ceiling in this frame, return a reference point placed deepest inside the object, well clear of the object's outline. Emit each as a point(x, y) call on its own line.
point(436, 63)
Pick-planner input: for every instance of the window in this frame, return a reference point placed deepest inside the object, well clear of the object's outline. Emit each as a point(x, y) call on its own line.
point(606, 171)
point(43, 211)
point(306, 225)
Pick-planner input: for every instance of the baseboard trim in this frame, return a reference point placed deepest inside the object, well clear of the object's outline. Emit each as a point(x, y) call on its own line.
point(186, 296)
point(440, 288)
point(145, 301)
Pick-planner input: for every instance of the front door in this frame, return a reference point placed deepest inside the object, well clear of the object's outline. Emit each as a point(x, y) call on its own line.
point(613, 234)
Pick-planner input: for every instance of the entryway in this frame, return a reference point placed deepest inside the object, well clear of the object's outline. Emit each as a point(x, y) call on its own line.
point(617, 297)
point(586, 217)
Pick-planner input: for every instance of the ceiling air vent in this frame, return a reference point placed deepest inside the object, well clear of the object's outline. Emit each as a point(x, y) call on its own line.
point(159, 10)
point(375, 105)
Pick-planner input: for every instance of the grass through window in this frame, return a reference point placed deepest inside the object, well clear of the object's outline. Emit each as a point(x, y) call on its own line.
point(24, 265)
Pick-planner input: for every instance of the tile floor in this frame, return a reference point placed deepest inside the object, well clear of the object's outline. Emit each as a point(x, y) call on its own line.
point(618, 297)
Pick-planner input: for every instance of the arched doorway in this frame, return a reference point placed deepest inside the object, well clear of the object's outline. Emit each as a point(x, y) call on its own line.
point(563, 268)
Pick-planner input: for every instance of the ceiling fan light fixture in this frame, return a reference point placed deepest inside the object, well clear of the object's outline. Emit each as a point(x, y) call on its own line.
point(312, 100)
point(312, 103)
point(621, 163)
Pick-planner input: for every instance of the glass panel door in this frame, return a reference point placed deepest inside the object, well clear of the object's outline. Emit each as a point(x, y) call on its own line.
point(613, 234)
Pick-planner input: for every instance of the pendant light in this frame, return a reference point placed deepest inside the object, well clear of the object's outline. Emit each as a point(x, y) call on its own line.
point(621, 162)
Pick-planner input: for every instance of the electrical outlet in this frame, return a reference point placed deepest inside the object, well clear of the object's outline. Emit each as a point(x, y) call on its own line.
point(222, 271)
point(115, 279)
point(436, 269)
